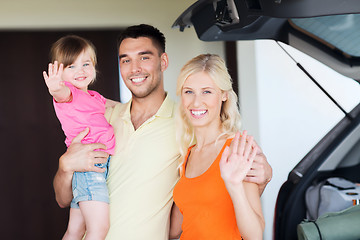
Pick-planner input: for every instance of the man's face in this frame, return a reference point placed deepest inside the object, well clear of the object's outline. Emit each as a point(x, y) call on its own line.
point(141, 66)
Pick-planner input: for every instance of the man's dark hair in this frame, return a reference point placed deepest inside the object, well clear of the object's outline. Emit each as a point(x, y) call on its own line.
point(144, 30)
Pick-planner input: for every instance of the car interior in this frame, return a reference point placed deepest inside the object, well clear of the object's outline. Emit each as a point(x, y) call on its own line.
point(336, 155)
point(324, 29)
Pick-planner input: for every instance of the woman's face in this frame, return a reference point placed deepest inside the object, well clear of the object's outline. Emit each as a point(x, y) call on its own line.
point(202, 100)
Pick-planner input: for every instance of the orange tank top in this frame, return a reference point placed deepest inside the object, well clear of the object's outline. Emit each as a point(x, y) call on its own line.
point(205, 204)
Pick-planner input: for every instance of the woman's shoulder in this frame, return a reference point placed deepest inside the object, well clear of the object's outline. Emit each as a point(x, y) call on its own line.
point(229, 137)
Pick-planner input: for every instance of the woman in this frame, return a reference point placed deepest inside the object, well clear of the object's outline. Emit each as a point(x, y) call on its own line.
point(211, 199)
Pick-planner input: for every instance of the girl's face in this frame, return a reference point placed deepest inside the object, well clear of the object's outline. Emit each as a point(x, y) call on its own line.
point(81, 72)
point(202, 100)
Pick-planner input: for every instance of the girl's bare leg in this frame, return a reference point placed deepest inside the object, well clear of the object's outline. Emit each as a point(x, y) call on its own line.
point(96, 215)
point(76, 225)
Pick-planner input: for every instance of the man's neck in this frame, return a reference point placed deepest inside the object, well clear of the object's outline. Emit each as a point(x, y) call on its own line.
point(144, 108)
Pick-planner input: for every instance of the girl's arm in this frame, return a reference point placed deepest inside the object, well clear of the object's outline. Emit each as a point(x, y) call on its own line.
point(235, 163)
point(176, 219)
point(55, 84)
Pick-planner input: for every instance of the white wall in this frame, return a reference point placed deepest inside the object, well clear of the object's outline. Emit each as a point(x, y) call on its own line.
point(284, 110)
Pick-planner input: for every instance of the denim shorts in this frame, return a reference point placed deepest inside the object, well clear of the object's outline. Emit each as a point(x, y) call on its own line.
point(90, 186)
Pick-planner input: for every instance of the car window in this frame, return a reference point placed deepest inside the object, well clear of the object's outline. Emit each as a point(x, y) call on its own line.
point(339, 31)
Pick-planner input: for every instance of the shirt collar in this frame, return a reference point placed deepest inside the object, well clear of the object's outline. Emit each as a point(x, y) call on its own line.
point(166, 109)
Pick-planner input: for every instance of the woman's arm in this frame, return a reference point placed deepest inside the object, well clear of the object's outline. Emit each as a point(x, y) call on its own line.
point(78, 158)
point(235, 163)
point(176, 219)
point(247, 206)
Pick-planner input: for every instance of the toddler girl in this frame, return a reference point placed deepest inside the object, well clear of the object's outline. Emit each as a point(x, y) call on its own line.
point(69, 75)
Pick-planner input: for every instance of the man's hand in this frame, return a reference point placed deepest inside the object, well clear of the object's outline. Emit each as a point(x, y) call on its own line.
point(260, 172)
point(78, 158)
point(81, 157)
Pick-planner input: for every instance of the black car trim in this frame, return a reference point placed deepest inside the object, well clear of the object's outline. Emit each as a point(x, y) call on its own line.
point(271, 19)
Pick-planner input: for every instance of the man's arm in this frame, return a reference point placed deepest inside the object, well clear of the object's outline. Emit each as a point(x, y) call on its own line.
point(62, 186)
point(176, 219)
point(78, 158)
point(260, 172)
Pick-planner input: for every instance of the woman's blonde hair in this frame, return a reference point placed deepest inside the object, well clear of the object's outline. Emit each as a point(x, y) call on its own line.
point(230, 118)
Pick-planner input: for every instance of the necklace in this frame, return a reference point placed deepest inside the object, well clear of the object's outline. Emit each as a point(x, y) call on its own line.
point(206, 145)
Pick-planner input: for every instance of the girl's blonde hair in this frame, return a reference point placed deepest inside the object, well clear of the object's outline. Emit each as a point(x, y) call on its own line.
point(230, 118)
point(67, 49)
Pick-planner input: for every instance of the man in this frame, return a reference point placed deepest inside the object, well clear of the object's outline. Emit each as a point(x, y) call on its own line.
point(143, 170)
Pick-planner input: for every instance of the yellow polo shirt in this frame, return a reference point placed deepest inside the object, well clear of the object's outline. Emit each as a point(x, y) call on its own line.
point(142, 175)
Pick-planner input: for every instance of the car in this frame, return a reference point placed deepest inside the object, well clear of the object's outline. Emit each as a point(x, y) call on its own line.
point(326, 30)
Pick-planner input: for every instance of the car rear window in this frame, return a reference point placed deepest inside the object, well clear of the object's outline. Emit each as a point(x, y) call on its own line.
point(339, 31)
